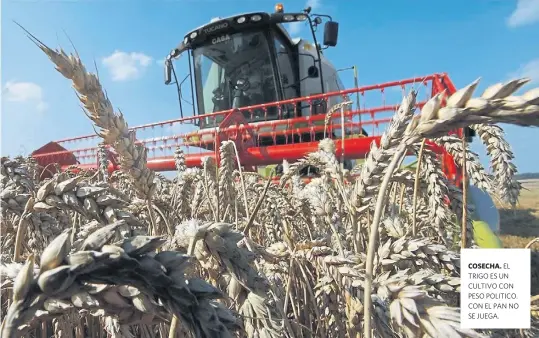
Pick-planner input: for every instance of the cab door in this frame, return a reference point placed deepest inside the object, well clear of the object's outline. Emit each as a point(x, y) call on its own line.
point(287, 72)
point(287, 78)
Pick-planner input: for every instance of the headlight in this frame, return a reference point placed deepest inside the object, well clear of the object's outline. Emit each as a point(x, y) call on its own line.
point(193, 35)
point(256, 17)
point(186, 40)
point(241, 20)
point(288, 17)
point(301, 17)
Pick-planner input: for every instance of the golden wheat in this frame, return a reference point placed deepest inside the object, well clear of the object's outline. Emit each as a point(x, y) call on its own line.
point(133, 252)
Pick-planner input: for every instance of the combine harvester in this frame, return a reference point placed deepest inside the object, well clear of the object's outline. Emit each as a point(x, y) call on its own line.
point(269, 93)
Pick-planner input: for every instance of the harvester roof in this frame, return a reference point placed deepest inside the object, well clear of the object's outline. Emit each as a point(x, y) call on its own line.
point(233, 24)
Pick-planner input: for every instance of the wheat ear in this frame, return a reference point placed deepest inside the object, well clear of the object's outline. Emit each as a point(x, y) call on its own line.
point(113, 128)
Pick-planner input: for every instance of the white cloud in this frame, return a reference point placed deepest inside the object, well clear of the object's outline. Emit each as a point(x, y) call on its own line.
point(25, 92)
point(126, 66)
point(530, 70)
point(527, 12)
point(295, 27)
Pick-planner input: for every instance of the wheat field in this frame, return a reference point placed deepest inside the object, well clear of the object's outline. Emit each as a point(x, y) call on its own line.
point(219, 252)
point(519, 226)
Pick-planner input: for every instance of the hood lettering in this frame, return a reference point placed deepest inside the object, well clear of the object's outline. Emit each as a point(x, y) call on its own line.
point(216, 27)
point(220, 39)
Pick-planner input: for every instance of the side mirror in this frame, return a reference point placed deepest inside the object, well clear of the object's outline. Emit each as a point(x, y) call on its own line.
point(331, 33)
point(168, 70)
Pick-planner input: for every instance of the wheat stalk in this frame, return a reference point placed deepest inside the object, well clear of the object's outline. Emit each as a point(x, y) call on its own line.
point(460, 111)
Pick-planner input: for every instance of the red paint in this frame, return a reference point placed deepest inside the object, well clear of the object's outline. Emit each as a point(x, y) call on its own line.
point(246, 136)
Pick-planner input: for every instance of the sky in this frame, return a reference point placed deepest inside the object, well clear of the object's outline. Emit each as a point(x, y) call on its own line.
point(127, 40)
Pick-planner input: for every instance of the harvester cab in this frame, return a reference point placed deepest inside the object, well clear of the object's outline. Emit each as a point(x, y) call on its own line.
point(251, 60)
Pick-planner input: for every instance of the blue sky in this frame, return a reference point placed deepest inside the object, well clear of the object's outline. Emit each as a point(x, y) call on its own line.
point(387, 40)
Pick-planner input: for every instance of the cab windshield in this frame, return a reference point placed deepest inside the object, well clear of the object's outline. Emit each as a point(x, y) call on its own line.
point(234, 71)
